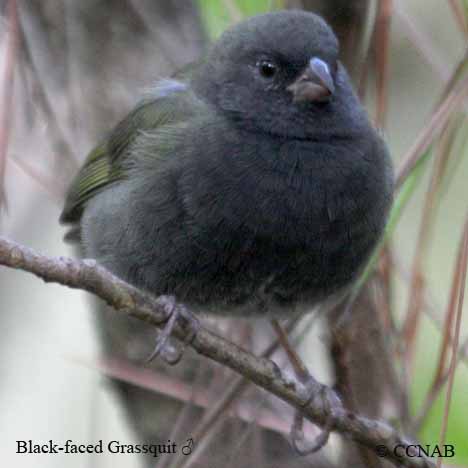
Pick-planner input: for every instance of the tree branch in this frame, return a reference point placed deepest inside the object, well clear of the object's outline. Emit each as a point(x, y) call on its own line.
point(89, 276)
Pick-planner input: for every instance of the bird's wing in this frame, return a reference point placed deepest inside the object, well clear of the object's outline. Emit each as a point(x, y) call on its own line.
point(170, 102)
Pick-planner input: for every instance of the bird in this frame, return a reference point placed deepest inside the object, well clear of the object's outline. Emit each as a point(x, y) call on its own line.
point(250, 183)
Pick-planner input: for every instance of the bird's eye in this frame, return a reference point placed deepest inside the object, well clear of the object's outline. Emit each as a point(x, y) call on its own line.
point(267, 69)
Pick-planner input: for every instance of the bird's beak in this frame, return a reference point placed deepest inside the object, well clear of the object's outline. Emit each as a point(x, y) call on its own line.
point(315, 84)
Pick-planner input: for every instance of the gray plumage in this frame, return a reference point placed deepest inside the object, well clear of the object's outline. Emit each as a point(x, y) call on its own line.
point(221, 189)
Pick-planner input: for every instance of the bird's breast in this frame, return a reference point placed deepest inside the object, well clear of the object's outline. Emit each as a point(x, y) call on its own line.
point(293, 194)
point(292, 221)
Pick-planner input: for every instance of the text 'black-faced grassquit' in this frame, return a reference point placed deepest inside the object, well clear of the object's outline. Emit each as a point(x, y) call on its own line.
point(250, 183)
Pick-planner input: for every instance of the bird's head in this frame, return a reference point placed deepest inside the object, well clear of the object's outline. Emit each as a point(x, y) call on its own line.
point(279, 73)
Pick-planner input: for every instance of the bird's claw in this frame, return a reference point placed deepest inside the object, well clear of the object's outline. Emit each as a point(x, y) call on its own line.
point(175, 312)
point(329, 402)
point(312, 389)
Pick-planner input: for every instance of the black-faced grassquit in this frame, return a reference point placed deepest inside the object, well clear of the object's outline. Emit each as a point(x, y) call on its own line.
point(252, 182)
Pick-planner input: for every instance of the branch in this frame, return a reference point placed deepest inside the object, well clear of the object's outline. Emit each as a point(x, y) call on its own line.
point(89, 276)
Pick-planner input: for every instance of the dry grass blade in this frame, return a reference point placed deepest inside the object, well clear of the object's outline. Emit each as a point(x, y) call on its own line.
point(6, 107)
point(59, 141)
point(150, 379)
point(456, 163)
point(384, 295)
point(448, 342)
point(417, 283)
point(431, 310)
point(364, 56)
point(439, 119)
point(422, 43)
point(460, 17)
point(362, 53)
point(211, 421)
point(433, 393)
point(457, 76)
point(207, 428)
point(382, 45)
point(457, 292)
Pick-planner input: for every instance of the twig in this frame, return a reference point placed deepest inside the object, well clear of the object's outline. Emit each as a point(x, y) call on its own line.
point(89, 276)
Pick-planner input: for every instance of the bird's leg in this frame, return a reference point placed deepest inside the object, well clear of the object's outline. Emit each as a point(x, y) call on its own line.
point(298, 365)
point(314, 390)
point(176, 312)
point(329, 401)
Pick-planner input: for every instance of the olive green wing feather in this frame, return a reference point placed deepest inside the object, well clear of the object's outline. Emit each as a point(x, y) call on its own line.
point(169, 103)
point(94, 175)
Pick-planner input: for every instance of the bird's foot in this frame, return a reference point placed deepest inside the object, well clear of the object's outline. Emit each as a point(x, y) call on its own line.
point(329, 401)
point(176, 312)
